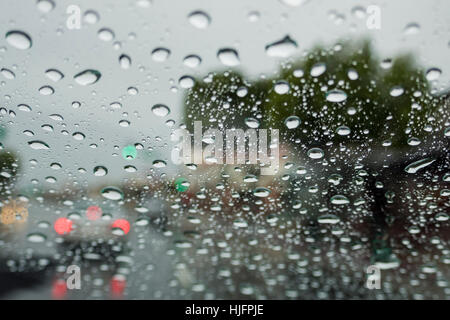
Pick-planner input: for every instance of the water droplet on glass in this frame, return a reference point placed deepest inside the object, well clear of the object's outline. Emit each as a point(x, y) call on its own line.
point(391, 263)
point(160, 54)
point(352, 74)
point(335, 179)
point(413, 141)
point(253, 16)
point(242, 92)
point(18, 39)
point(343, 131)
point(124, 123)
point(359, 12)
point(181, 184)
point(24, 107)
point(336, 96)
point(414, 230)
point(55, 166)
point(143, 3)
point(192, 61)
point(78, 136)
point(91, 17)
point(417, 165)
point(386, 63)
point(47, 127)
point(328, 219)
point(240, 223)
point(46, 90)
point(186, 82)
point(132, 91)
point(142, 221)
point(125, 61)
point(112, 193)
point(228, 57)
point(160, 110)
point(38, 145)
point(105, 34)
point(36, 237)
point(8, 74)
point(281, 87)
point(261, 192)
point(411, 29)
point(447, 132)
point(292, 122)
point(100, 171)
point(130, 169)
point(339, 199)
point(76, 104)
point(293, 3)
point(396, 91)
point(199, 19)
point(159, 164)
point(252, 123)
point(87, 77)
point(282, 48)
point(441, 216)
point(318, 69)
point(250, 178)
point(315, 153)
point(433, 74)
point(45, 5)
point(54, 75)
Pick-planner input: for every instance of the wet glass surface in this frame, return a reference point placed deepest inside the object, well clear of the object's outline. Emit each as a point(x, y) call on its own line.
point(337, 187)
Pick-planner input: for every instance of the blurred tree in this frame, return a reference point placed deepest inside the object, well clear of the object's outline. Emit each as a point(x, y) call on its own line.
point(386, 100)
point(9, 165)
point(224, 101)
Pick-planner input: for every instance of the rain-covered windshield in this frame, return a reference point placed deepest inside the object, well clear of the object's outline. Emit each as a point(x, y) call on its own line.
point(276, 149)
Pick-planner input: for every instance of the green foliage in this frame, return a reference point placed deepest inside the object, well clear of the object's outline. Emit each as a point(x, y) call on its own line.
point(9, 165)
point(378, 115)
point(217, 103)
